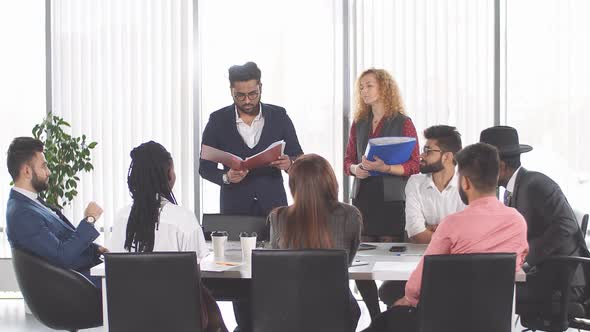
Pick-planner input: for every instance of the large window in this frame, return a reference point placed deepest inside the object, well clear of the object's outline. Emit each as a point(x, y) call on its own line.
point(22, 83)
point(297, 45)
point(122, 75)
point(547, 85)
point(441, 53)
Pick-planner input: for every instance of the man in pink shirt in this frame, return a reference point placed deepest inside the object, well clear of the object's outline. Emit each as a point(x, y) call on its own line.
point(485, 226)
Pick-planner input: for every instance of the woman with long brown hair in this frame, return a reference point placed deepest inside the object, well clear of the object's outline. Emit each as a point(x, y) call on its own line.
point(381, 199)
point(316, 219)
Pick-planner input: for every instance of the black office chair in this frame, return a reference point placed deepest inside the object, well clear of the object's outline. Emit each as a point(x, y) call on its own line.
point(300, 290)
point(153, 292)
point(465, 293)
point(59, 298)
point(553, 311)
point(234, 225)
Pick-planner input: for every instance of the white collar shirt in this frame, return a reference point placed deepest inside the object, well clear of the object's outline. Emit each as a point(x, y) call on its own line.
point(512, 181)
point(426, 205)
point(178, 230)
point(250, 133)
point(510, 185)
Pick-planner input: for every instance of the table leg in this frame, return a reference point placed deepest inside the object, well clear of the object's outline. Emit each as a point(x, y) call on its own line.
point(105, 312)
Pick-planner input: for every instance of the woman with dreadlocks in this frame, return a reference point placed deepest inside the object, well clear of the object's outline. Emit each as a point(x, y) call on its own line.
point(154, 222)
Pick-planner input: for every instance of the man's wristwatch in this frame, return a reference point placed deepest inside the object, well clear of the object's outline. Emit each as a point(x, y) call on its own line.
point(91, 220)
point(225, 178)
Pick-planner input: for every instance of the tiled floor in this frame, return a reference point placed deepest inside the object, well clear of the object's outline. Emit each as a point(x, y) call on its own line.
point(14, 319)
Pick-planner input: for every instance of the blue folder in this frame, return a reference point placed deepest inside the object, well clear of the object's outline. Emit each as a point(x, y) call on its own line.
point(392, 150)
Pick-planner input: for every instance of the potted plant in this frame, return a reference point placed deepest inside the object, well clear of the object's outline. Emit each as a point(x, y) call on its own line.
point(66, 156)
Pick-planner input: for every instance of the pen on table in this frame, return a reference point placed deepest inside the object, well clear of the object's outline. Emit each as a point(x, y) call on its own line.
point(358, 263)
point(227, 263)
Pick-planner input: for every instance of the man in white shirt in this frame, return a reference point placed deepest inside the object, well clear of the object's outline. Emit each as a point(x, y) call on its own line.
point(245, 128)
point(431, 195)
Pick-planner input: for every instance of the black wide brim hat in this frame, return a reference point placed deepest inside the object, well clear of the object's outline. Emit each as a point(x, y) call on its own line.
point(505, 139)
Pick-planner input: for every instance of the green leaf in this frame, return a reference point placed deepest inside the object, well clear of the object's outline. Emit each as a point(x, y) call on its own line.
point(66, 155)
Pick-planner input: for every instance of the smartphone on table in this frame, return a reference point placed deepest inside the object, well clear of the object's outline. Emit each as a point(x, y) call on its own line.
point(397, 249)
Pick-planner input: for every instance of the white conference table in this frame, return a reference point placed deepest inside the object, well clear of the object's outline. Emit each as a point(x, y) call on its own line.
point(376, 264)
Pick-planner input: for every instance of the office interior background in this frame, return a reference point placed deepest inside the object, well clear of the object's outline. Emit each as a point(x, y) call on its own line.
point(127, 71)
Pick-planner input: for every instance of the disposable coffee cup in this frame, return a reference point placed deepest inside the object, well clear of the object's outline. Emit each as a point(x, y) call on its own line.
point(248, 242)
point(219, 239)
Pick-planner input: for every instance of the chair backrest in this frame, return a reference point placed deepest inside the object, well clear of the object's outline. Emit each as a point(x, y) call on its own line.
point(471, 292)
point(234, 225)
point(582, 219)
point(59, 298)
point(553, 308)
point(153, 292)
point(300, 290)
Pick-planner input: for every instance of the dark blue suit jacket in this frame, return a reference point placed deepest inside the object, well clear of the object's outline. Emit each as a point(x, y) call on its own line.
point(32, 227)
point(262, 184)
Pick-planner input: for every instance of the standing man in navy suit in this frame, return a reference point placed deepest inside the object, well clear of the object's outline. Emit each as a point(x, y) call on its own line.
point(35, 226)
point(245, 128)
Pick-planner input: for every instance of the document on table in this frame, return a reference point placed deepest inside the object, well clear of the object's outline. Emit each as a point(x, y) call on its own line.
point(218, 266)
point(395, 266)
point(359, 263)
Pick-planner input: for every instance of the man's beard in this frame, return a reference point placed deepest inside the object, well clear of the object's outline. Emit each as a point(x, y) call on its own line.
point(463, 196)
point(252, 111)
point(431, 168)
point(38, 184)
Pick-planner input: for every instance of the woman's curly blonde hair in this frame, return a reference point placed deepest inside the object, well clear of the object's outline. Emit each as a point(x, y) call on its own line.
point(389, 93)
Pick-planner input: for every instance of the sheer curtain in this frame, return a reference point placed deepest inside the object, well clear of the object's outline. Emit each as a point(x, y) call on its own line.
point(548, 79)
point(441, 53)
point(122, 75)
point(22, 84)
point(298, 47)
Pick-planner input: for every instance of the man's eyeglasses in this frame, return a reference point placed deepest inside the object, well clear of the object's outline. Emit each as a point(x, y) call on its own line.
point(251, 95)
point(426, 150)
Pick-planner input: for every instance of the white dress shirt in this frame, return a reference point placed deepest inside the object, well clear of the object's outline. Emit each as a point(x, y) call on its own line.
point(426, 205)
point(250, 133)
point(512, 181)
point(178, 230)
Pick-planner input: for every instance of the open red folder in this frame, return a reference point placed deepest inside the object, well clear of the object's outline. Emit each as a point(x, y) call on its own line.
point(261, 159)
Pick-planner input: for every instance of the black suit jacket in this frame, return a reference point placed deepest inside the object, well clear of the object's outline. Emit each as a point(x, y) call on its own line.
point(262, 184)
point(552, 225)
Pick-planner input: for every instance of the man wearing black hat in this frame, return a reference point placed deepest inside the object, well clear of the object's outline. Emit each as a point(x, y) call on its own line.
point(552, 226)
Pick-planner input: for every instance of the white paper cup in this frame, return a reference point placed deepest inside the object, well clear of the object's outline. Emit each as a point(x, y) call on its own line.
point(218, 245)
point(248, 244)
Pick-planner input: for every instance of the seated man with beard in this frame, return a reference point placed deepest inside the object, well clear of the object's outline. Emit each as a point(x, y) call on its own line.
point(484, 226)
point(39, 228)
point(430, 196)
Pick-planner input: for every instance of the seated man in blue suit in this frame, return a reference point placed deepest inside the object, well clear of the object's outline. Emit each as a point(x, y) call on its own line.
point(245, 128)
point(35, 226)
